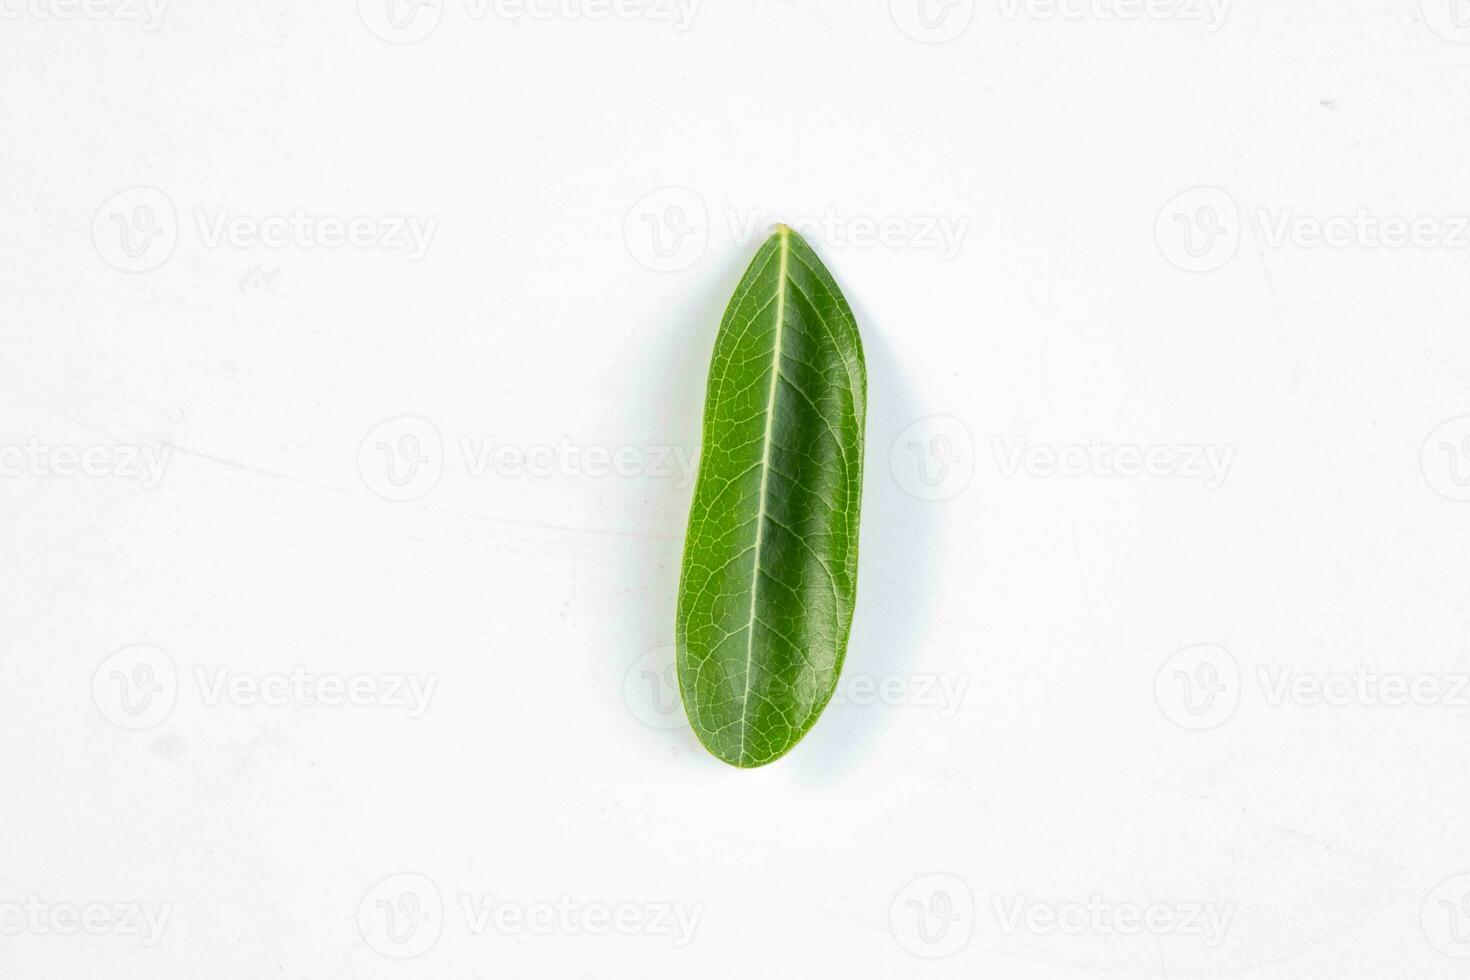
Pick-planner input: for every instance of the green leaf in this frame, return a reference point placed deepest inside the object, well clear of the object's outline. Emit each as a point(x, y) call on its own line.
point(770, 563)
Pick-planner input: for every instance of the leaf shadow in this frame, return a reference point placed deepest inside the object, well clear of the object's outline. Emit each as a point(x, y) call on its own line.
point(897, 540)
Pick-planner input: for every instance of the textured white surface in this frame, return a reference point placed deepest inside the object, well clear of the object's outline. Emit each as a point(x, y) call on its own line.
point(1016, 733)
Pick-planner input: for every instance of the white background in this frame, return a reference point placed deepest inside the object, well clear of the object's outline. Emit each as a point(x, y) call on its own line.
point(1077, 765)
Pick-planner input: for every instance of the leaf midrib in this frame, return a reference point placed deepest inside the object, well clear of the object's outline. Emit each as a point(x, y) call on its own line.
point(784, 240)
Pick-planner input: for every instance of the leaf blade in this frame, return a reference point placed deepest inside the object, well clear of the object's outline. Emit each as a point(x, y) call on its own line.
point(768, 583)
